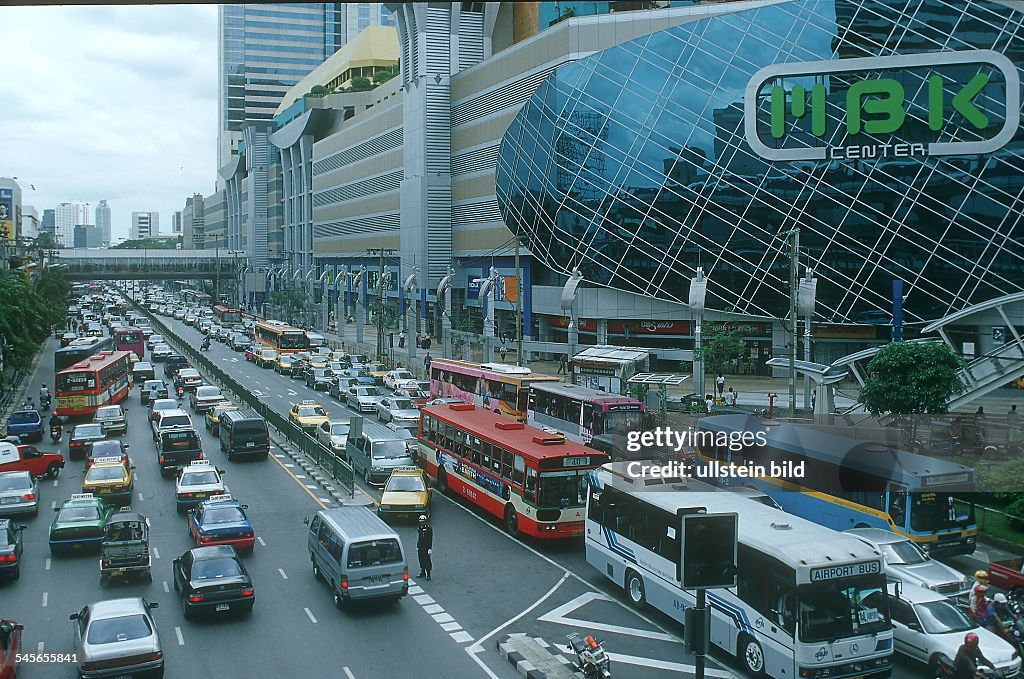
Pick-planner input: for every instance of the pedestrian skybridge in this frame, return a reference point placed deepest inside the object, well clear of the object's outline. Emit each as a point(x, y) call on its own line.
point(90, 264)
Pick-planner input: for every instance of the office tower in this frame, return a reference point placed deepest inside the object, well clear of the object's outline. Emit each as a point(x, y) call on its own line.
point(103, 222)
point(145, 225)
point(68, 215)
point(49, 220)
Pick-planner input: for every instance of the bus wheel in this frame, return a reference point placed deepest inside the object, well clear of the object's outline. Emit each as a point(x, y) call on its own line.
point(753, 656)
point(862, 525)
point(512, 521)
point(635, 589)
point(442, 481)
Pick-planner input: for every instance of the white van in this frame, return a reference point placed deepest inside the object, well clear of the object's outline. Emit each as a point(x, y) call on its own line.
point(316, 340)
point(358, 555)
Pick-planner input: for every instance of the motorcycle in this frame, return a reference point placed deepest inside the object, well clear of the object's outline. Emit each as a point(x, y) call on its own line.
point(56, 432)
point(591, 659)
point(44, 402)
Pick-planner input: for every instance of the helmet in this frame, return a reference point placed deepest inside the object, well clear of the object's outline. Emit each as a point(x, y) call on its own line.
point(971, 640)
point(980, 589)
point(423, 518)
point(999, 598)
point(981, 576)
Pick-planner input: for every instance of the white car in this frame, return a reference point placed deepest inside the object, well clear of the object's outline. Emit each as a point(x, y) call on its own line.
point(906, 562)
point(196, 482)
point(397, 409)
point(364, 399)
point(160, 352)
point(333, 434)
point(400, 377)
point(205, 397)
point(929, 628)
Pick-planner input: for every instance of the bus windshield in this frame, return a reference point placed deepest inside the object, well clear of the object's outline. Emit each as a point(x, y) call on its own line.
point(838, 609)
point(293, 341)
point(622, 422)
point(936, 511)
point(563, 489)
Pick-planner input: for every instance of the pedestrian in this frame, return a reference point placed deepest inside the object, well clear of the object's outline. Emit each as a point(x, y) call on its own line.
point(426, 342)
point(979, 425)
point(720, 383)
point(426, 362)
point(425, 546)
point(503, 351)
point(814, 398)
point(401, 340)
point(709, 400)
point(733, 397)
point(562, 361)
point(1012, 423)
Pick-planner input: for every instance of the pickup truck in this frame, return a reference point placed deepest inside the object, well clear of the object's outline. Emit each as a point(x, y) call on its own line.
point(26, 458)
point(26, 425)
point(1006, 574)
point(178, 447)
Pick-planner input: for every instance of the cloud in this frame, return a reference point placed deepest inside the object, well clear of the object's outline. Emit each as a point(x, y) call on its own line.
point(110, 102)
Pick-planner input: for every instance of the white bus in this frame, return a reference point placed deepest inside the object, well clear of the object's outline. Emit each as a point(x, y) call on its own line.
point(810, 603)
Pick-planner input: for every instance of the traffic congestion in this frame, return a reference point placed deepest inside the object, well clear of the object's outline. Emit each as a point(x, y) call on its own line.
point(153, 520)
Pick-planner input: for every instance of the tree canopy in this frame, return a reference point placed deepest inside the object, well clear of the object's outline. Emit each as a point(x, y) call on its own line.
point(911, 377)
point(27, 313)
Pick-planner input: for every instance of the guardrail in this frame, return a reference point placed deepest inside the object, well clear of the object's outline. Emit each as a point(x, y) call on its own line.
point(335, 467)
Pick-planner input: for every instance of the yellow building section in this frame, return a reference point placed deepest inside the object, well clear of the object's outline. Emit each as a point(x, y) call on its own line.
point(374, 49)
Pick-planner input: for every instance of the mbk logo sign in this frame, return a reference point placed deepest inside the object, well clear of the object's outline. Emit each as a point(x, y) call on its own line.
point(878, 106)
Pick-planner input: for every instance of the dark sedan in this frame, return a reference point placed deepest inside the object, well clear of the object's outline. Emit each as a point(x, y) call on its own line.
point(149, 386)
point(212, 579)
point(82, 438)
point(10, 549)
point(319, 379)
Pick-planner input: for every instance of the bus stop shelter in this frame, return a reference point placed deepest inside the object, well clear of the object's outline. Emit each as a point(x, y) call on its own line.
point(608, 367)
point(652, 388)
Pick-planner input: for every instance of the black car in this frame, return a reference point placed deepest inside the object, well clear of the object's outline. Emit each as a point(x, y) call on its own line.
point(82, 438)
point(212, 579)
point(173, 363)
point(107, 448)
point(159, 386)
point(10, 549)
point(339, 386)
point(319, 379)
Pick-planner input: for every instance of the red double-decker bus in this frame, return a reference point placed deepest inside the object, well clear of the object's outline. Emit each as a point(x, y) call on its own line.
point(130, 339)
point(533, 480)
point(97, 381)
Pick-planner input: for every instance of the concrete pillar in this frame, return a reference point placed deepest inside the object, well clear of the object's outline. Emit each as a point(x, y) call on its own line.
point(602, 331)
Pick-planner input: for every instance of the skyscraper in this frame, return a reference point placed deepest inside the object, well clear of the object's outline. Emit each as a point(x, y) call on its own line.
point(68, 215)
point(176, 222)
point(145, 225)
point(103, 222)
point(49, 221)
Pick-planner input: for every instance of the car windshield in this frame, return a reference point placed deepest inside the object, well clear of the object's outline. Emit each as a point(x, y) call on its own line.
point(199, 478)
point(104, 473)
point(115, 630)
point(203, 392)
point(269, 353)
point(23, 416)
point(153, 384)
point(340, 429)
point(188, 372)
point(109, 413)
point(107, 447)
point(368, 391)
point(389, 450)
point(223, 515)
point(15, 482)
point(847, 607)
point(904, 553)
point(81, 513)
point(212, 569)
point(402, 404)
point(374, 553)
point(407, 484)
point(942, 617)
point(87, 430)
point(312, 411)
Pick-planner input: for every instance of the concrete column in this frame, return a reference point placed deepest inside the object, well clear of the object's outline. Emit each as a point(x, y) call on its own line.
point(602, 331)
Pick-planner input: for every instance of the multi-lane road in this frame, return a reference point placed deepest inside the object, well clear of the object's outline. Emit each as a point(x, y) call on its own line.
point(485, 585)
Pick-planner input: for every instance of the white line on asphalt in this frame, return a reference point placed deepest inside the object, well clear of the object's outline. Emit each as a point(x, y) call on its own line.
point(41, 646)
point(461, 637)
point(451, 626)
point(260, 540)
point(309, 615)
point(156, 553)
point(55, 482)
point(300, 476)
point(478, 646)
point(559, 617)
point(416, 590)
point(289, 465)
point(280, 395)
point(140, 497)
point(281, 571)
point(324, 499)
point(53, 504)
point(166, 587)
point(311, 487)
point(651, 662)
point(346, 670)
point(177, 633)
point(423, 599)
point(279, 455)
point(45, 597)
point(433, 608)
point(443, 617)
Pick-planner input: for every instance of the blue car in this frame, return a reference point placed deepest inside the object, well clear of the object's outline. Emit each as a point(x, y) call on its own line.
point(221, 520)
point(26, 425)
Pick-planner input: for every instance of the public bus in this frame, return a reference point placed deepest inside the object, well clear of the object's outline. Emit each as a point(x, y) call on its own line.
point(79, 349)
point(99, 380)
point(809, 602)
point(848, 483)
point(498, 387)
point(533, 480)
point(130, 339)
point(226, 317)
point(280, 337)
point(582, 413)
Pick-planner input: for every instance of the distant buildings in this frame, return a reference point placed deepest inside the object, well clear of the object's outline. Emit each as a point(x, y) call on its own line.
point(69, 215)
point(176, 222)
point(192, 223)
point(145, 225)
point(103, 223)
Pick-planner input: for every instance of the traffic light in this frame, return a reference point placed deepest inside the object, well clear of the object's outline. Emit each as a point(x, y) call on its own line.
point(708, 556)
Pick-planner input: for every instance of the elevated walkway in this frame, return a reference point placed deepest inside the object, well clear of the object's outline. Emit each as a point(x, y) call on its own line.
point(90, 264)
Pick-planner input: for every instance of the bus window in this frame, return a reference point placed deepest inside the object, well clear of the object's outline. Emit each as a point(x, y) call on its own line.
point(460, 443)
point(574, 411)
point(484, 459)
point(588, 419)
point(522, 398)
point(530, 489)
point(898, 503)
point(518, 466)
point(784, 596)
point(482, 452)
point(506, 464)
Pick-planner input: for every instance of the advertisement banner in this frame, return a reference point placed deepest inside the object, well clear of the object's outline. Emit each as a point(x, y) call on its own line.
point(7, 215)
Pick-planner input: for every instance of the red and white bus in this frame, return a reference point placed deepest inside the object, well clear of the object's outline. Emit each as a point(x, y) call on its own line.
point(226, 317)
point(97, 381)
point(498, 387)
point(281, 337)
point(130, 339)
point(533, 480)
point(581, 413)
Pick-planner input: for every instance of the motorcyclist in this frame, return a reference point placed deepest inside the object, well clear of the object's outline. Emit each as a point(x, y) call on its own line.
point(992, 617)
point(56, 420)
point(44, 393)
point(206, 343)
point(965, 665)
point(977, 608)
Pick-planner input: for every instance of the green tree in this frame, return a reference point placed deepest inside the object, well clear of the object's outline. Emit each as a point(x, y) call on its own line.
point(149, 244)
point(318, 91)
point(911, 377)
point(45, 241)
point(292, 301)
point(720, 350)
point(27, 314)
point(360, 84)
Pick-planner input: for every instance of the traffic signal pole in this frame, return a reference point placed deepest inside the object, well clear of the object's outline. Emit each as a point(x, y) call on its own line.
point(702, 647)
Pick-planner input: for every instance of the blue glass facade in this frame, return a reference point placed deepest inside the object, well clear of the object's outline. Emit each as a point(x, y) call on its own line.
point(636, 164)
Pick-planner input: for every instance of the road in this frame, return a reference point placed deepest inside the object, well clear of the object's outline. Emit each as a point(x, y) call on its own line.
point(486, 585)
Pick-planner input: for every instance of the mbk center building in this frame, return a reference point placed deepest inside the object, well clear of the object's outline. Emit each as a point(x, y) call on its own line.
point(639, 146)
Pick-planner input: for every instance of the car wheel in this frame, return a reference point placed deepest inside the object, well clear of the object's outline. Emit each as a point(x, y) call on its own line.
point(338, 601)
point(53, 471)
point(316, 571)
point(512, 521)
point(752, 656)
point(635, 589)
point(186, 612)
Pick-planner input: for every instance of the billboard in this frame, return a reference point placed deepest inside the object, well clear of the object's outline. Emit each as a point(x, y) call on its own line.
point(7, 215)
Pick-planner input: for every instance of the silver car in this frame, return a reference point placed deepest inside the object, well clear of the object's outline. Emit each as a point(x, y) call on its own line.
point(364, 399)
point(333, 434)
point(19, 494)
point(397, 409)
point(113, 419)
point(116, 638)
point(907, 562)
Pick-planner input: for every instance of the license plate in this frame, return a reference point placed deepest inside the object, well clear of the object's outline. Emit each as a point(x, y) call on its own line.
point(8, 500)
point(123, 676)
point(117, 572)
point(223, 607)
point(250, 444)
point(576, 533)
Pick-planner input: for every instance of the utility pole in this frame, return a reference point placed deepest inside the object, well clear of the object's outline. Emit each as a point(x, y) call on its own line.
point(519, 307)
point(794, 263)
point(383, 253)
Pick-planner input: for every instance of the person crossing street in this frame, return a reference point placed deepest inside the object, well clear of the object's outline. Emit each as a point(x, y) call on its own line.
point(425, 546)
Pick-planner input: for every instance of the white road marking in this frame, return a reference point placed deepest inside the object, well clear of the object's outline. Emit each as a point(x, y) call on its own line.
point(140, 497)
point(292, 392)
point(461, 637)
point(651, 662)
point(424, 599)
point(167, 587)
point(280, 455)
point(260, 540)
point(283, 575)
point(558, 617)
point(47, 564)
point(478, 646)
point(46, 596)
point(56, 482)
point(41, 646)
point(156, 553)
point(53, 504)
point(434, 608)
point(451, 626)
point(443, 617)
point(416, 590)
point(311, 487)
point(289, 465)
point(177, 633)
point(348, 673)
point(309, 615)
point(256, 392)
point(300, 476)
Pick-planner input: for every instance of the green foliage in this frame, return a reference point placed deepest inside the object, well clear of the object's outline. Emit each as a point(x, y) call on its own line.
point(291, 300)
point(360, 84)
point(149, 244)
point(720, 350)
point(911, 377)
point(45, 241)
point(387, 313)
point(318, 91)
point(27, 314)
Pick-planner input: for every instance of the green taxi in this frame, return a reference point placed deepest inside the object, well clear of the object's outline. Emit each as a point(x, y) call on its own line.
point(80, 524)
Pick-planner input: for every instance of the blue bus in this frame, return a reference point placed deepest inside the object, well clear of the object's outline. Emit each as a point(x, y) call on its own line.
point(845, 483)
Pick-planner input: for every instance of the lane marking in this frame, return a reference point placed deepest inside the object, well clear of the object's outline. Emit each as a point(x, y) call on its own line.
point(416, 590)
point(443, 617)
point(47, 564)
point(280, 455)
point(156, 553)
point(140, 497)
point(348, 673)
point(46, 596)
point(283, 575)
point(260, 540)
point(651, 662)
point(309, 615)
point(311, 487)
point(289, 472)
point(181, 639)
point(41, 645)
point(167, 588)
point(423, 599)
point(451, 626)
point(55, 482)
point(300, 476)
point(478, 646)
point(461, 637)
point(434, 608)
point(53, 504)
point(289, 465)
point(558, 616)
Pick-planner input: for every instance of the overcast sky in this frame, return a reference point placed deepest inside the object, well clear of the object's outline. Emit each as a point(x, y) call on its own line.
point(116, 102)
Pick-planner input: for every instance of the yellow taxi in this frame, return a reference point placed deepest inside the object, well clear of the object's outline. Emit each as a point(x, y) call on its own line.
point(133, 357)
point(406, 493)
point(111, 479)
point(317, 361)
point(377, 372)
point(307, 415)
point(214, 413)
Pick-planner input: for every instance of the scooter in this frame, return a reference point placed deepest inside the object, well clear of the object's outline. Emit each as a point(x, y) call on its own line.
point(44, 402)
point(56, 432)
point(591, 659)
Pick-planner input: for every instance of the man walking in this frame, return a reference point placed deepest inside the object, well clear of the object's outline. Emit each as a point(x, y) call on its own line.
point(426, 363)
point(425, 546)
point(1012, 424)
point(562, 361)
point(401, 340)
point(720, 383)
point(503, 351)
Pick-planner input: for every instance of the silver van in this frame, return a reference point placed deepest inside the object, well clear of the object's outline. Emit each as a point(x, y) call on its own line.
point(374, 451)
point(358, 555)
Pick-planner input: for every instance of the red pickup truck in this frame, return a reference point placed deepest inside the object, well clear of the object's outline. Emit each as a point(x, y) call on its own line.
point(10, 647)
point(1007, 575)
point(27, 458)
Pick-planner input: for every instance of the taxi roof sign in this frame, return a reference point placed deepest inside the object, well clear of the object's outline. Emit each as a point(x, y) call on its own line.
point(199, 463)
point(308, 402)
point(82, 496)
point(102, 460)
point(406, 469)
point(219, 498)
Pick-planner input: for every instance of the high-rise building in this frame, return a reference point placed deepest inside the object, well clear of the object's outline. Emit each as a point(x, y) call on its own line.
point(145, 225)
point(68, 215)
point(176, 222)
point(49, 219)
point(192, 221)
point(103, 222)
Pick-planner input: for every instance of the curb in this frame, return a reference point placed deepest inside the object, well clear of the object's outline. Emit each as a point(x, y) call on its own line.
point(526, 653)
